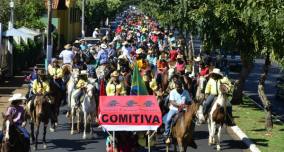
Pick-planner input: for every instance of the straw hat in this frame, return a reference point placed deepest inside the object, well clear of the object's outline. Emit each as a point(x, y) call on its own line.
point(68, 46)
point(104, 46)
point(139, 51)
point(179, 56)
point(150, 51)
point(125, 43)
point(17, 96)
point(217, 71)
point(83, 72)
point(96, 29)
point(54, 60)
point(77, 41)
point(114, 74)
point(198, 59)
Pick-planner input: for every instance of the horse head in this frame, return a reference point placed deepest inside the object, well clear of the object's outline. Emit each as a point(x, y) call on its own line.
point(40, 102)
point(90, 90)
point(224, 88)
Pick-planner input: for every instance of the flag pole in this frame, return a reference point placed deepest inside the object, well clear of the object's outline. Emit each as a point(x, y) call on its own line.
point(113, 141)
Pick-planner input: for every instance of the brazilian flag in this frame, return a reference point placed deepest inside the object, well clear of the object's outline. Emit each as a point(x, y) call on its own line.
point(138, 86)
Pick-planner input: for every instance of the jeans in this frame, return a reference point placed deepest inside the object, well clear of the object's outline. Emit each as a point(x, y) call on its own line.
point(208, 103)
point(168, 121)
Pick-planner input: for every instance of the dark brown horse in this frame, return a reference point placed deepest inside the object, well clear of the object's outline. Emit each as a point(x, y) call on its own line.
point(41, 113)
point(56, 95)
point(14, 140)
point(182, 131)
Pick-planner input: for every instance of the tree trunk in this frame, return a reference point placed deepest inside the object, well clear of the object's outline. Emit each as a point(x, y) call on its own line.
point(247, 65)
point(266, 103)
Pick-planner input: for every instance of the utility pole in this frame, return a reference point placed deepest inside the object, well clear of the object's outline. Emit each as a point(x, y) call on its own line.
point(83, 19)
point(49, 28)
point(10, 41)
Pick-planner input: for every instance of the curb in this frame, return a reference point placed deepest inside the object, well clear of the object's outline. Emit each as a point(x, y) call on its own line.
point(252, 147)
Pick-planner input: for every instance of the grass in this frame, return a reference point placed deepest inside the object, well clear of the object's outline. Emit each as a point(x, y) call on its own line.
point(251, 120)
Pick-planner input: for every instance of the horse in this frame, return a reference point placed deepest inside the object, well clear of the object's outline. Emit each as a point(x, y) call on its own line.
point(89, 108)
point(201, 84)
point(14, 140)
point(41, 113)
point(57, 95)
point(182, 131)
point(216, 116)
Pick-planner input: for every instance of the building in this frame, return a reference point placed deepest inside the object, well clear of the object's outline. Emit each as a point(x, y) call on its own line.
point(66, 20)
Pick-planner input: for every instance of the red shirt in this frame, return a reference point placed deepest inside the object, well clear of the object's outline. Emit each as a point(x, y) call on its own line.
point(173, 55)
point(204, 71)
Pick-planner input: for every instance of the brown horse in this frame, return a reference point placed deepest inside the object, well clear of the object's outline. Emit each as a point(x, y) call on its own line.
point(14, 140)
point(41, 113)
point(182, 131)
point(57, 95)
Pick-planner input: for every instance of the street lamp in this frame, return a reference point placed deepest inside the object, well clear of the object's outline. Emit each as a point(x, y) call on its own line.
point(10, 40)
point(83, 19)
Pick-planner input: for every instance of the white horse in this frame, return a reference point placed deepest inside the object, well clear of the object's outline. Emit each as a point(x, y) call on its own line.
point(216, 116)
point(89, 108)
point(200, 88)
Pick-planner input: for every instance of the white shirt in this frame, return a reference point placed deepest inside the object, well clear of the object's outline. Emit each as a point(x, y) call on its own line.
point(95, 34)
point(179, 98)
point(67, 56)
point(126, 52)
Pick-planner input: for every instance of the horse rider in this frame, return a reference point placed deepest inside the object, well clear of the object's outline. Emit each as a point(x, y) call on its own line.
point(80, 87)
point(102, 60)
point(179, 97)
point(212, 89)
point(16, 113)
point(56, 73)
point(40, 87)
point(114, 86)
point(30, 78)
point(67, 54)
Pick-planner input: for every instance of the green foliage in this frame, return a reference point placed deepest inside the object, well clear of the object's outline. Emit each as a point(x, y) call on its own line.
point(26, 13)
point(249, 26)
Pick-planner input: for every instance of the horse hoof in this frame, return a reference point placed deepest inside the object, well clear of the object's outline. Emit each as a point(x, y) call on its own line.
point(44, 146)
point(56, 124)
point(218, 148)
point(51, 129)
point(84, 137)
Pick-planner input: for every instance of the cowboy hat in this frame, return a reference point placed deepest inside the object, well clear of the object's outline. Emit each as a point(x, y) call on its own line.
point(77, 41)
point(198, 59)
point(16, 96)
point(96, 29)
point(217, 71)
point(114, 74)
point(104, 46)
point(67, 46)
point(179, 56)
point(150, 51)
point(122, 56)
point(83, 72)
point(125, 43)
point(54, 60)
point(139, 51)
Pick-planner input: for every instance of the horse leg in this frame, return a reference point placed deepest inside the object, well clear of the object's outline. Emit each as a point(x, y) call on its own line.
point(37, 132)
point(180, 145)
point(218, 139)
point(44, 134)
point(72, 121)
point(32, 125)
point(91, 123)
point(210, 132)
point(78, 120)
point(85, 124)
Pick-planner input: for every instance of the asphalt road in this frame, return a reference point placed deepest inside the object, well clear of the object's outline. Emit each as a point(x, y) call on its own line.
point(62, 141)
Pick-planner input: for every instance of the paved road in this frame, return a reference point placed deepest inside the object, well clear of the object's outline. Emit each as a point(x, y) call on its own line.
point(62, 141)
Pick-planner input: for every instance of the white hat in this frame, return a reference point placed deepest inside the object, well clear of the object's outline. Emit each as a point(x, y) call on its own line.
point(198, 59)
point(217, 71)
point(83, 72)
point(125, 43)
point(122, 56)
point(96, 29)
point(104, 46)
point(17, 96)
